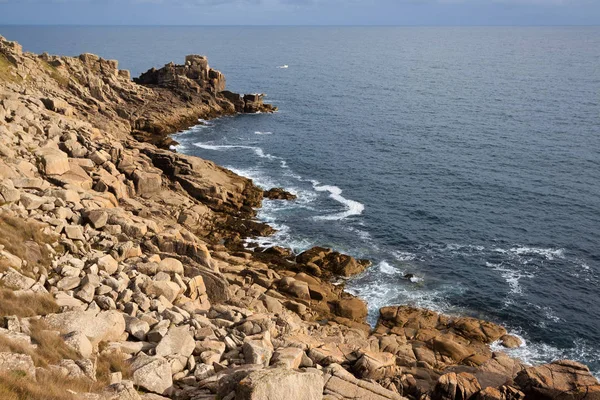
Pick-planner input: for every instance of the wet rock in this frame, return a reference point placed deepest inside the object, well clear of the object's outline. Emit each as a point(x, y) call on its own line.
point(279, 194)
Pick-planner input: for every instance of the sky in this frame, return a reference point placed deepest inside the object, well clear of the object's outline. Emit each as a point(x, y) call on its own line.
point(300, 12)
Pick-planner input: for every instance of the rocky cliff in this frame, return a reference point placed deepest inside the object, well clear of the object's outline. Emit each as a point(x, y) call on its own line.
point(122, 274)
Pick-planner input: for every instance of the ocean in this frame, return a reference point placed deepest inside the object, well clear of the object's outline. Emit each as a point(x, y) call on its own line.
point(467, 157)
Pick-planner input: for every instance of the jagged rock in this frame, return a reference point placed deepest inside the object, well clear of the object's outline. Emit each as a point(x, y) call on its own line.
point(16, 281)
point(561, 379)
point(54, 161)
point(289, 357)
point(108, 264)
point(375, 366)
point(170, 290)
point(454, 386)
point(8, 192)
point(74, 232)
point(340, 384)
point(279, 194)
point(80, 343)
point(137, 327)
point(31, 201)
point(258, 351)
point(332, 262)
point(152, 374)
point(280, 384)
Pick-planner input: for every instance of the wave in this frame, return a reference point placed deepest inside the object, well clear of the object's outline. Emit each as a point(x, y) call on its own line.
point(257, 150)
point(550, 254)
point(540, 353)
point(352, 207)
point(263, 133)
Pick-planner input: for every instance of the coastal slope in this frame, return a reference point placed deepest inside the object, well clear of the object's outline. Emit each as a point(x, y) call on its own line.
point(123, 274)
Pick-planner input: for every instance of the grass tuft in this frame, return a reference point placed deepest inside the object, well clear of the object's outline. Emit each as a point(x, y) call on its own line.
point(7, 71)
point(26, 304)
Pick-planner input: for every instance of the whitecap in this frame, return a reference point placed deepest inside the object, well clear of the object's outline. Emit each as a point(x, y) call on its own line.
point(388, 269)
point(257, 150)
point(352, 207)
point(263, 133)
point(283, 66)
point(548, 253)
point(403, 256)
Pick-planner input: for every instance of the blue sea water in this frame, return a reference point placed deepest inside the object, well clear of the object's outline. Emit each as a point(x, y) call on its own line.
point(468, 157)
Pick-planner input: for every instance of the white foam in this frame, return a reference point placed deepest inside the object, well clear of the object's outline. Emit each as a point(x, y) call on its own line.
point(283, 66)
point(263, 133)
point(511, 277)
point(257, 150)
point(352, 207)
point(548, 253)
point(404, 256)
point(388, 269)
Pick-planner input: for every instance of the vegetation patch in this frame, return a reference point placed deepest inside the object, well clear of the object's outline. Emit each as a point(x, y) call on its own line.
point(26, 304)
point(7, 71)
point(62, 80)
point(25, 239)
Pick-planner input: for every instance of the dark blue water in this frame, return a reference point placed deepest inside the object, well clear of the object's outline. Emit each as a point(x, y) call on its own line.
point(469, 157)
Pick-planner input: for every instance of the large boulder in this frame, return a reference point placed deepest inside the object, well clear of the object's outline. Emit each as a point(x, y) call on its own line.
point(178, 341)
point(453, 386)
point(331, 262)
point(152, 374)
point(280, 384)
point(341, 384)
point(99, 327)
point(561, 379)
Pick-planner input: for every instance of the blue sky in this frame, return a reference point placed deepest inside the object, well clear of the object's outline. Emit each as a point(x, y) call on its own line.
point(301, 12)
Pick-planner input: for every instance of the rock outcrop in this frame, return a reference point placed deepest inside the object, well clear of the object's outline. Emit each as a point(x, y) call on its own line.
point(122, 268)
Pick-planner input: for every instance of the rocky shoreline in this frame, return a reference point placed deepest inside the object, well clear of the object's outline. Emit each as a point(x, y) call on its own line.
point(123, 274)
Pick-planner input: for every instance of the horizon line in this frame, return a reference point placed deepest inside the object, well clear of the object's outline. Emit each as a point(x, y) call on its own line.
point(301, 25)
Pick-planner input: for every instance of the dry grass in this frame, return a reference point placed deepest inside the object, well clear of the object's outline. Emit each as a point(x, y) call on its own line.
point(48, 386)
point(24, 239)
point(51, 348)
point(27, 304)
point(56, 75)
point(109, 362)
point(7, 71)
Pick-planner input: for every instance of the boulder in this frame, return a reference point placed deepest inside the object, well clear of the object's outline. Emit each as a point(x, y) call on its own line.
point(375, 366)
point(279, 194)
point(15, 363)
point(108, 264)
point(152, 373)
point(54, 161)
point(332, 262)
point(280, 384)
point(170, 290)
point(177, 342)
point(340, 384)
point(353, 308)
point(98, 327)
point(170, 265)
point(453, 386)
point(80, 343)
point(561, 379)
point(16, 281)
point(258, 351)
point(289, 357)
